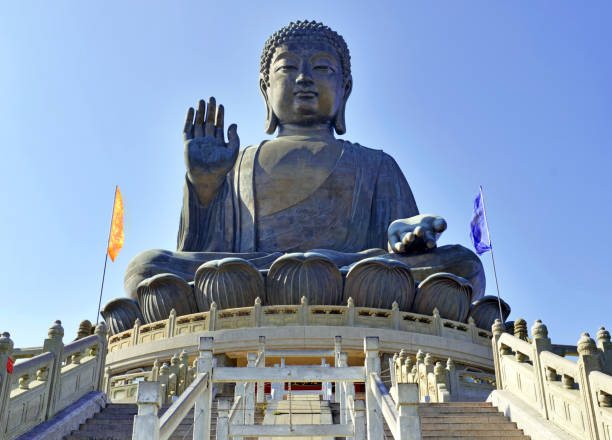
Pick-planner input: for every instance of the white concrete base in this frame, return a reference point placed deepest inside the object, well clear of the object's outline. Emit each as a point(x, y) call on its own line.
point(527, 418)
point(68, 419)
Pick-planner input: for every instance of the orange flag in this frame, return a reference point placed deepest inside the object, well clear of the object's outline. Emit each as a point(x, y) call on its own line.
point(115, 242)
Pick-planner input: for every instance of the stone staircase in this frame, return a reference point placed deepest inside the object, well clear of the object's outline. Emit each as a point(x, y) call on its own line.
point(439, 421)
point(466, 420)
point(116, 420)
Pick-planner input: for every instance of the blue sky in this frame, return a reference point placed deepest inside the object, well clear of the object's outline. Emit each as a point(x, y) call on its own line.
point(515, 96)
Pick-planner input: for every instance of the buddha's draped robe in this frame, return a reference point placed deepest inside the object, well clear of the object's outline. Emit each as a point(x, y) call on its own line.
point(349, 212)
point(345, 218)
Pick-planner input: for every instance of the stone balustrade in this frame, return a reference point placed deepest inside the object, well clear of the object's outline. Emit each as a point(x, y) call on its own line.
point(49, 379)
point(438, 381)
point(302, 314)
point(574, 396)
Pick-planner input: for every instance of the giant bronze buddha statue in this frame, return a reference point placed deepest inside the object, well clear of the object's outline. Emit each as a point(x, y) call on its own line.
point(303, 214)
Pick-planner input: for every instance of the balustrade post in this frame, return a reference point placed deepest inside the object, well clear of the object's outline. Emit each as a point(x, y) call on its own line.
point(212, 317)
point(341, 393)
point(136, 331)
point(473, 330)
point(605, 348)
point(107, 382)
point(453, 380)
point(395, 315)
point(55, 345)
point(442, 394)
point(261, 350)
point(588, 360)
point(409, 422)
point(350, 312)
point(164, 380)
point(498, 329)
point(249, 391)
point(303, 311)
point(540, 342)
point(337, 351)
point(359, 419)
point(6, 351)
point(146, 422)
point(203, 403)
point(372, 365)
point(101, 332)
point(171, 323)
point(419, 366)
point(436, 323)
point(257, 313)
point(223, 408)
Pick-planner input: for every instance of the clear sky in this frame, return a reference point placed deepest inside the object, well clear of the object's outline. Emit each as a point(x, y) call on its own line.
point(513, 95)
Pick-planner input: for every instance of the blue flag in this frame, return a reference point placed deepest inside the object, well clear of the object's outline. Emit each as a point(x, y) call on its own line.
point(479, 228)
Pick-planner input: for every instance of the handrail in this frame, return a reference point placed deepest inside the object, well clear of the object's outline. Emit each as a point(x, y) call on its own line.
point(32, 363)
point(516, 344)
point(236, 408)
point(387, 405)
point(601, 382)
point(560, 364)
point(26, 352)
point(181, 407)
point(80, 344)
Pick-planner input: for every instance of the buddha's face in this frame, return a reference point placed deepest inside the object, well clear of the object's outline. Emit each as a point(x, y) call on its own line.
point(306, 84)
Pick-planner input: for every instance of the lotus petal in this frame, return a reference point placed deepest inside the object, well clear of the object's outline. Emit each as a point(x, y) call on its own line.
point(120, 314)
point(486, 310)
point(161, 293)
point(230, 282)
point(378, 282)
point(309, 274)
point(450, 294)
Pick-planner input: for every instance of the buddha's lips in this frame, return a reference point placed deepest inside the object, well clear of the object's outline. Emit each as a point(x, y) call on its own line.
point(305, 94)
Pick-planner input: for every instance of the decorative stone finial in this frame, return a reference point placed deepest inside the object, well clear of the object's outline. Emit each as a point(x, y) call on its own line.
point(164, 370)
point(350, 302)
point(304, 301)
point(420, 356)
point(85, 329)
point(439, 369)
point(6, 344)
point(395, 306)
point(56, 331)
point(520, 329)
point(172, 313)
point(428, 359)
point(174, 359)
point(403, 354)
point(471, 321)
point(258, 301)
point(586, 345)
point(408, 364)
point(498, 328)
point(436, 312)
point(603, 335)
point(183, 355)
point(450, 364)
point(539, 330)
point(101, 330)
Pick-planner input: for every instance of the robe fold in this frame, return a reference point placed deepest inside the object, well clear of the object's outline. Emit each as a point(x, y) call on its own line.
point(349, 211)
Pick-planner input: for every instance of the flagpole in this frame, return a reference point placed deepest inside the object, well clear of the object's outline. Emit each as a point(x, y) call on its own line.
point(106, 257)
point(484, 210)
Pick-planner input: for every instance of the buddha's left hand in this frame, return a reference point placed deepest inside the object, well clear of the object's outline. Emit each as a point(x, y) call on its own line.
point(415, 234)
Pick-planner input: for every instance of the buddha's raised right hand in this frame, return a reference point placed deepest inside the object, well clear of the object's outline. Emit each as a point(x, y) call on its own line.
point(207, 156)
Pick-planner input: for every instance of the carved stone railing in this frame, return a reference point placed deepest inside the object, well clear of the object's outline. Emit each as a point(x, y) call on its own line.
point(575, 396)
point(399, 412)
point(438, 381)
point(45, 383)
point(293, 315)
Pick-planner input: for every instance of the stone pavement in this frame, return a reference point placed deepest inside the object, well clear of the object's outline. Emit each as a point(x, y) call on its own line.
point(306, 409)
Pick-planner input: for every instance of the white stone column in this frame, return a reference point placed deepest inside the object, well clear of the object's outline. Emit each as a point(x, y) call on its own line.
point(146, 422)
point(203, 403)
point(373, 413)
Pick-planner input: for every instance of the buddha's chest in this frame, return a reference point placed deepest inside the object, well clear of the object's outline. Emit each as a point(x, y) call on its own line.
point(288, 172)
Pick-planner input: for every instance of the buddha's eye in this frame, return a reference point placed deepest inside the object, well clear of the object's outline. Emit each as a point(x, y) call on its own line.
point(286, 68)
point(323, 68)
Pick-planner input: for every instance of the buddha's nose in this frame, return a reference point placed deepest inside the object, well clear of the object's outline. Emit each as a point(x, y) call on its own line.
point(304, 77)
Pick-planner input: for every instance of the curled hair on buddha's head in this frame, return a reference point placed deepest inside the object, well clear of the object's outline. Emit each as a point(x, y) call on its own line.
point(306, 31)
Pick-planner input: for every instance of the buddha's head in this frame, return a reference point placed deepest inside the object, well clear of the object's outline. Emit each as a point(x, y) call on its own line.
point(305, 76)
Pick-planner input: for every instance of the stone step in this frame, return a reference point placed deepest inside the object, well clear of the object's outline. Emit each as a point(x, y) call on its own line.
point(455, 409)
point(480, 435)
point(507, 426)
point(469, 437)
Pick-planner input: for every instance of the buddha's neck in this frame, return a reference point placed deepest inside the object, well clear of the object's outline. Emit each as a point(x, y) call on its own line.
point(319, 131)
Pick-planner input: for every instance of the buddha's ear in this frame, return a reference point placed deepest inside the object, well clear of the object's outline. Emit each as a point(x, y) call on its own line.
point(271, 119)
point(340, 121)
